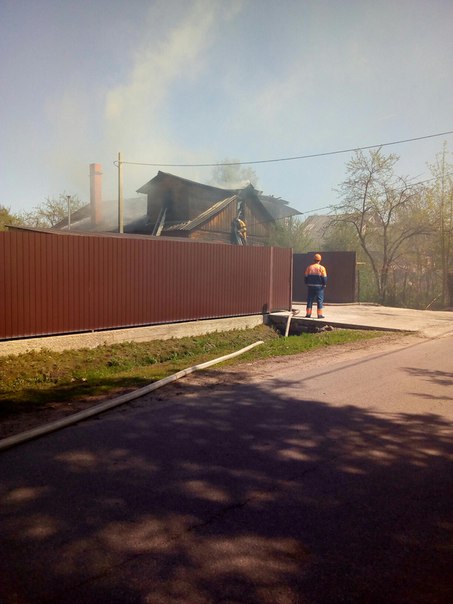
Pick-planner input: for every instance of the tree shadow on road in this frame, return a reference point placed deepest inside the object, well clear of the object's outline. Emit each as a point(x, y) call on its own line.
point(225, 493)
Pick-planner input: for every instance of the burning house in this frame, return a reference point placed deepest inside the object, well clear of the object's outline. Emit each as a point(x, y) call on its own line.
point(178, 207)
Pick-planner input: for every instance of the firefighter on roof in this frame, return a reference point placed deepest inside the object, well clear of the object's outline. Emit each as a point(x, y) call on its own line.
point(240, 231)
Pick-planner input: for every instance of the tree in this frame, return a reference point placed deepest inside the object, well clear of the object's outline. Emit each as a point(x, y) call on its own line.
point(230, 174)
point(52, 211)
point(441, 196)
point(343, 236)
point(340, 236)
point(377, 204)
point(7, 218)
point(292, 233)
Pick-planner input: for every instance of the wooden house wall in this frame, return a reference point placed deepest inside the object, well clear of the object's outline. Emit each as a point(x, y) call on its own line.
point(171, 193)
point(154, 204)
point(220, 225)
point(186, 201)
point(221, 222)
point(257, 220)
point(200, 198)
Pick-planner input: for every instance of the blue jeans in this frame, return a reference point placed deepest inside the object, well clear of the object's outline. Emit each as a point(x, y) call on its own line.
point(315, 294)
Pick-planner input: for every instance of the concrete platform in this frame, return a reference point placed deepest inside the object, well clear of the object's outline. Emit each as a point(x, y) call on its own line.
point(372, 316)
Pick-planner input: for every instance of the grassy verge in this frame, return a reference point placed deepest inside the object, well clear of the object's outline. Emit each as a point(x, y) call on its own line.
point(38, 379)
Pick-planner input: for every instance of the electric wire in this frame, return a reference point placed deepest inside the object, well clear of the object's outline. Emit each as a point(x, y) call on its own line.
point(332, 206)
point(284, 159)
point(312, 155)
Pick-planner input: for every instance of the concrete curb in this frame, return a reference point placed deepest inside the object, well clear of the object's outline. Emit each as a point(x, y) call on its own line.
point(164, 331)
point(12, 441)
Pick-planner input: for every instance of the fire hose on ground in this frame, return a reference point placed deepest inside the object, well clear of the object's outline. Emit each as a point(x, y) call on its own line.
point(12, 441)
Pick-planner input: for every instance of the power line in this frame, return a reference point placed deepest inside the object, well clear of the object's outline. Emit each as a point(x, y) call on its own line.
point(422, 182)
point(414, 184)
point(282, 159)
point(315, 210)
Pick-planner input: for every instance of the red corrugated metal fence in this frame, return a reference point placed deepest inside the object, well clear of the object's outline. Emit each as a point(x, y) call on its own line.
point(55, 283)
point(341, 271)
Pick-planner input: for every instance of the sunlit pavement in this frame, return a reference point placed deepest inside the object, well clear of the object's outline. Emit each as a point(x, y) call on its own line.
point(371, 316)
point(315, 483)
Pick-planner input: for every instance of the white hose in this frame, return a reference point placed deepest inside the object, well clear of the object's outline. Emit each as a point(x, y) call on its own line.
point(17, 439)
point(288, 323)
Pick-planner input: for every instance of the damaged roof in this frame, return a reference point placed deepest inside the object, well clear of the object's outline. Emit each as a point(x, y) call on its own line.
point(148, 187)
point(277, 208)
point(189, 225)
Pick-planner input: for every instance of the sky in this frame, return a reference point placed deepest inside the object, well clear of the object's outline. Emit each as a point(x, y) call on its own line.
point(205, 81)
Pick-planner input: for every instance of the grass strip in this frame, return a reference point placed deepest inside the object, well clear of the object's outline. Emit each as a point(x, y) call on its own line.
point(39, 379)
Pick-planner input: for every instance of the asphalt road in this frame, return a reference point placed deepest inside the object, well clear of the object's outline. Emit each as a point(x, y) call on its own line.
point(320, 479)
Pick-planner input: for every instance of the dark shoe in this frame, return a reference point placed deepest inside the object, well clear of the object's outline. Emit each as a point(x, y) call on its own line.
point(321, 317)
point(308, 316)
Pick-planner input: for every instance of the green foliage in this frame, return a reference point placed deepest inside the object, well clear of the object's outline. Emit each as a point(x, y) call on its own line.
point(341, 236)
point(378, 206)
point(441, 214)
point(40, 379)
point(402, 232)
point(51, 211)
point(7, 218)
point(306, 342)
point(291, 233)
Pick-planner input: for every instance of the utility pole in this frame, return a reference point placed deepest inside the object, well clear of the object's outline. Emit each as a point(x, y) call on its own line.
point(120, 196)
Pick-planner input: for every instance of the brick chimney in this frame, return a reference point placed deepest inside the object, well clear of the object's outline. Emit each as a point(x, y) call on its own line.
point(96, 193)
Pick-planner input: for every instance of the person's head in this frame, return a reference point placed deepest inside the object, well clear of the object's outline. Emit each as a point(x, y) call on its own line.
point(318, 258)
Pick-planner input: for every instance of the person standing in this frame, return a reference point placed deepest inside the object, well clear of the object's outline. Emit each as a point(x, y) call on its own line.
point(316, 280)
point(239, 228)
